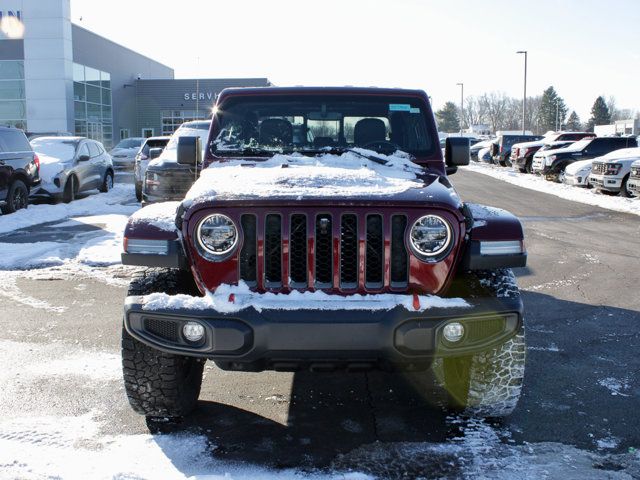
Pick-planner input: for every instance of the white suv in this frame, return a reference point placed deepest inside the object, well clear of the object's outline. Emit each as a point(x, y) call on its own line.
point(611, 172)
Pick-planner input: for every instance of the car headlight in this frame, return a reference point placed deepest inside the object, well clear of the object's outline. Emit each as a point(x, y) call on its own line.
point(217, 235)
point(430, 236)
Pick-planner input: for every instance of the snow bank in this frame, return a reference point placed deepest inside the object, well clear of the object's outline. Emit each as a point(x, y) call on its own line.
point(245, 298)
point(161, 215)
point(299, 176)
point(567, 192)
point(120, 200)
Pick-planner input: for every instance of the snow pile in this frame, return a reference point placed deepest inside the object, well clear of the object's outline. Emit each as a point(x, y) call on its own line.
point(160, 215)
point(244, 298)
point(298, 176)
point(567, 192)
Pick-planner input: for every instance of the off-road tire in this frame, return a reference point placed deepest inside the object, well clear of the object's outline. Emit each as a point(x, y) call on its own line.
point(158, 384)
point(70, 189)
point(107, 182)
point(487, 384)
point(139, 191)
point(17, 197)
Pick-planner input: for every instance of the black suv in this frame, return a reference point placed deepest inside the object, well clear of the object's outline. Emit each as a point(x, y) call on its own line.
point(19, 170)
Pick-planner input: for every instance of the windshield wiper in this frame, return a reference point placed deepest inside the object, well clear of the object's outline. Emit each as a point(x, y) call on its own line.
point(244, 151)
point(340, 150)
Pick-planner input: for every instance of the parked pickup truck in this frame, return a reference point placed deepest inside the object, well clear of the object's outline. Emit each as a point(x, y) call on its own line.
point(551, 164)
point(343, 246)
point(611, 172)
point(522, 153)
point(633, 184)
point(501, 153)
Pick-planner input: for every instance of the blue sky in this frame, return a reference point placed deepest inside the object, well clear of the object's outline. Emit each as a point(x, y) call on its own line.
point(582, 48)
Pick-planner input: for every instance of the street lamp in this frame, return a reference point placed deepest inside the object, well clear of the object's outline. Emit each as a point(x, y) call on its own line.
point(524, 97)
point(461, 85)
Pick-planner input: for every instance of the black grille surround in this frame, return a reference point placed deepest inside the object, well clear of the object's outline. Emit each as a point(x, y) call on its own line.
point(339, 251)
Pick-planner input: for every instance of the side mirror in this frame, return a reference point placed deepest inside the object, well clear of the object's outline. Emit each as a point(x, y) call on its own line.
point(456, 153)
point(155, 153)
point(83, 158)
point(189, 151)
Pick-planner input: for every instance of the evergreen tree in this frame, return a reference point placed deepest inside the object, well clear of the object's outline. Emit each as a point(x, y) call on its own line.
point(600, 114)
point(552, 111)
point(448, 118)
point(573, 123)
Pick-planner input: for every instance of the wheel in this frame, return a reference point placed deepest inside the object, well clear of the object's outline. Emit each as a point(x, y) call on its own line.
point(528, 166)
point(139, 191)
point(107, 182)
point(70, 190)
point(489, 383)
point(160, 384)
point(17, 197)
point(624, 190)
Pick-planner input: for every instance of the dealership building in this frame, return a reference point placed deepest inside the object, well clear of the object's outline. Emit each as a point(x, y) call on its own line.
point(56, 76)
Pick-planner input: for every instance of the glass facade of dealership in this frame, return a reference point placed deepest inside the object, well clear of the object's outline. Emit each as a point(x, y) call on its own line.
point(92, 103)
point(13, 110)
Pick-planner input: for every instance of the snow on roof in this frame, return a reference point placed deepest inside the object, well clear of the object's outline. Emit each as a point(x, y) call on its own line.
point(161, 215)
point(318, 300)
point(298, 176)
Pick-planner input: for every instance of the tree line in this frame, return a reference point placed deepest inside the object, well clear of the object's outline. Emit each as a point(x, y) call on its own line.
point(544, 112)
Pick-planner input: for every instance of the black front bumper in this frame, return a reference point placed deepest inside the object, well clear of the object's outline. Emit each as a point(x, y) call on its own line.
point(293, 339)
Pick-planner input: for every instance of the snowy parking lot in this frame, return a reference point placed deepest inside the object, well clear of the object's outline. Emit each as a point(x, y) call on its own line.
point(65, 414)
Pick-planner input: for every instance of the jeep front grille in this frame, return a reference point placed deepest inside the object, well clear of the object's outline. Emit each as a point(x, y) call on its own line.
point(598, 168)
point(345, 251)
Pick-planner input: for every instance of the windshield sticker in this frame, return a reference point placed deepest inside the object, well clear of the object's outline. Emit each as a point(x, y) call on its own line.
point(399, 107)
point(414, 110)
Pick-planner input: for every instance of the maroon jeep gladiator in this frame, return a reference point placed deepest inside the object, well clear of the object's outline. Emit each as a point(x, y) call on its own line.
point(323, 234)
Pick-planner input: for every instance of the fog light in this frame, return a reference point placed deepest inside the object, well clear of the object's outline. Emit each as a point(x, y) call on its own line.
point(453, 331)
point(192, 331)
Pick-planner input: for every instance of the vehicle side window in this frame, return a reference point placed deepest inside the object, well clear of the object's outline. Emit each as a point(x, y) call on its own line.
point(94, 151)
point(14, 141)
point(83, 150)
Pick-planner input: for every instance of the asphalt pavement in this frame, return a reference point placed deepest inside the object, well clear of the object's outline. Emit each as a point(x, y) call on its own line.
point(582, 380)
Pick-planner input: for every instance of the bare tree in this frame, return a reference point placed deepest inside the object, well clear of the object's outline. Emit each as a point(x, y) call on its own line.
point(474, 112)
point(495, 105)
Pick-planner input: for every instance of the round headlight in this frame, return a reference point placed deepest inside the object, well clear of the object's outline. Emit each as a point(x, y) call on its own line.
point(217, 234)
point(430, 236)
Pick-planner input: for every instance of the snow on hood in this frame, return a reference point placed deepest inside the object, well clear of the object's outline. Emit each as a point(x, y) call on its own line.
point(160, 215)
point(245, 298)
point(575, 167)
point(298, 176)
point(622, 154)
point(49, 167)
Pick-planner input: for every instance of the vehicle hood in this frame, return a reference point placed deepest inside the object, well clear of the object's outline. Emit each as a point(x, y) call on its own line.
point(326, 178)
point(624, 155)
point(127, 152)
point(536, 143)
point(575, 167)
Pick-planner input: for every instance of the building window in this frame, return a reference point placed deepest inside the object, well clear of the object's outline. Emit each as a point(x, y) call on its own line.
point(172, 119)
point(147, 132)
point(13, 105)
point(124, 133)
point(92, 102)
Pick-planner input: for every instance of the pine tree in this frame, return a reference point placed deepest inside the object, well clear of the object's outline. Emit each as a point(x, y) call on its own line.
point(448, 118)
point(573, 123)
point(600, 114)
point(552, 111)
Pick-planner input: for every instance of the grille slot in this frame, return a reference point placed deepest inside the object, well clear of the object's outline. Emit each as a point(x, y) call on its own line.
point(399, 254)
point(164, 329)
point(248, 261)
point(374, 259)
point(298, 251)
point(349, 251)
point(273, 251)
point(324, 251)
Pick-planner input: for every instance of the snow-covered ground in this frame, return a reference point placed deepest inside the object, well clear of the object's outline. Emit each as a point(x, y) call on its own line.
point(568, 192)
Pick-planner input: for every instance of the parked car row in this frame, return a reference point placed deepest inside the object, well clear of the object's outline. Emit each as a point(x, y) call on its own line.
point(608, 164)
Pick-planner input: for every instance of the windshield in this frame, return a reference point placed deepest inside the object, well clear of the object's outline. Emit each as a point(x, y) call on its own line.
point(308, 124)
point(130, 143)
point(60, 149)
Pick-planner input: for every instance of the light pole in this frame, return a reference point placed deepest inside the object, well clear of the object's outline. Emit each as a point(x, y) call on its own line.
point(461, 85)
point(524, 97)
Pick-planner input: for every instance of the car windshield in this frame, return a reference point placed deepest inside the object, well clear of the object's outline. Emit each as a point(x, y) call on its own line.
point(130, 143)
point(312, 124)
point(55, 148)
